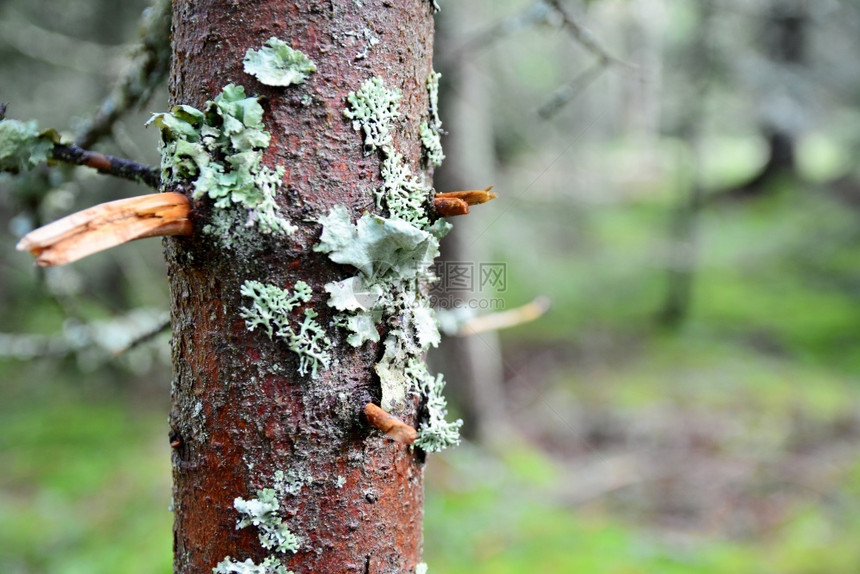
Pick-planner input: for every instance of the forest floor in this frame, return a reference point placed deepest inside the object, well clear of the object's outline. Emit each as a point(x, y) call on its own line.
point(730, 445)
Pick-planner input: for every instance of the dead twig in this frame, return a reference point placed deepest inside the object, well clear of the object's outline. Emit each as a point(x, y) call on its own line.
point(107, 164)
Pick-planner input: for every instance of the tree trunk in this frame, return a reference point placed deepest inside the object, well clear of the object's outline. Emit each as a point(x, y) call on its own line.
point(242, 418)
point(684, 248)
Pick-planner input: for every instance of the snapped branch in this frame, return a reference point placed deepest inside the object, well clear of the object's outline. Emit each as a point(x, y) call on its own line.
point(107, 225)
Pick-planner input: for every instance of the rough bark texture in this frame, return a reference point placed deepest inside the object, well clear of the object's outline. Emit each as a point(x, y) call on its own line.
point(237, 417)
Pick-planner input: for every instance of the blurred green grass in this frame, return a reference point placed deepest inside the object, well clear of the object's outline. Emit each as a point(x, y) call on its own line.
point(770, 346)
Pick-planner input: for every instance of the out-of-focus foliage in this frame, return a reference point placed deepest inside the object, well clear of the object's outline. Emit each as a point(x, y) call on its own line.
point(729, 444)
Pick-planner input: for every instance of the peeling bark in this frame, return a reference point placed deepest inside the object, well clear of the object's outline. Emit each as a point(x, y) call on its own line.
point(240, 411)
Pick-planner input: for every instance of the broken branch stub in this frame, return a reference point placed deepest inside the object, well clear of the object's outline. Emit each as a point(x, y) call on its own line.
point(107, 225)
point(393, 427)
point(453, 203)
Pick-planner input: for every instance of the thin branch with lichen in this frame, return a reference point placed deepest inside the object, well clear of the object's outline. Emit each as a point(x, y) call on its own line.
point(148, 67)
point(23, 146)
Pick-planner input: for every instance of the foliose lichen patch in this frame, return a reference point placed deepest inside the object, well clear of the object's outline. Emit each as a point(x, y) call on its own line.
point(220, 150)
point(278, 64)
point(23, 146)
point(393, 256)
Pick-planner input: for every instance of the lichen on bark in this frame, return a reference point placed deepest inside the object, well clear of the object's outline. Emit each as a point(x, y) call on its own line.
point(259, 415)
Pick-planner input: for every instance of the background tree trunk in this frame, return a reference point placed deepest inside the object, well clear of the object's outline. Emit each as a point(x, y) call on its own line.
point(236, 416)
point(473, 362)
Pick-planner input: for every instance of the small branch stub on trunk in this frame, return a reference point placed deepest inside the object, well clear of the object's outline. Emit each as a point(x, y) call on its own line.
point(453, 203)
point(393, 427)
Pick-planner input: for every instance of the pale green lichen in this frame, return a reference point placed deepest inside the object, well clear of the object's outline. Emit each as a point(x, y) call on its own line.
point(272, 310)
point(262, 512)
point(421, 568)
point(431, 131)
point(291, 482)
point(393, 256)
point(404, 195)
point(433, 92)
point(270, 565)
point(373, 109)
point(436, 433)
point(432, 142)
point(278, 64)
point(23, 146)
point(376, 246)
point(220, 150)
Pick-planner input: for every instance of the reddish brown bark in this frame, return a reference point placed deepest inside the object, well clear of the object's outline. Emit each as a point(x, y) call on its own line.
point(236, 418)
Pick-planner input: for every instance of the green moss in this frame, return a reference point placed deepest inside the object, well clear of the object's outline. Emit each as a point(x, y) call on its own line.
point(277, 64)
point(272, 310)
point(23, 146)
point(220, 150)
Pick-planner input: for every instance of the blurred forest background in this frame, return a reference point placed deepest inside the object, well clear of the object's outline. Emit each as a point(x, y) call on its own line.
point(676, 176)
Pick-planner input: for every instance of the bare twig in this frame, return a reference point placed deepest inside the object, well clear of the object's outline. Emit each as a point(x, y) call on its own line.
point(150, 61)
point(145, 337)
point(58, 49)
point(118, 167)
point(569, 91)
point(584, 36)
point(505, 319)
point(536, 14)
point(108, 225)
